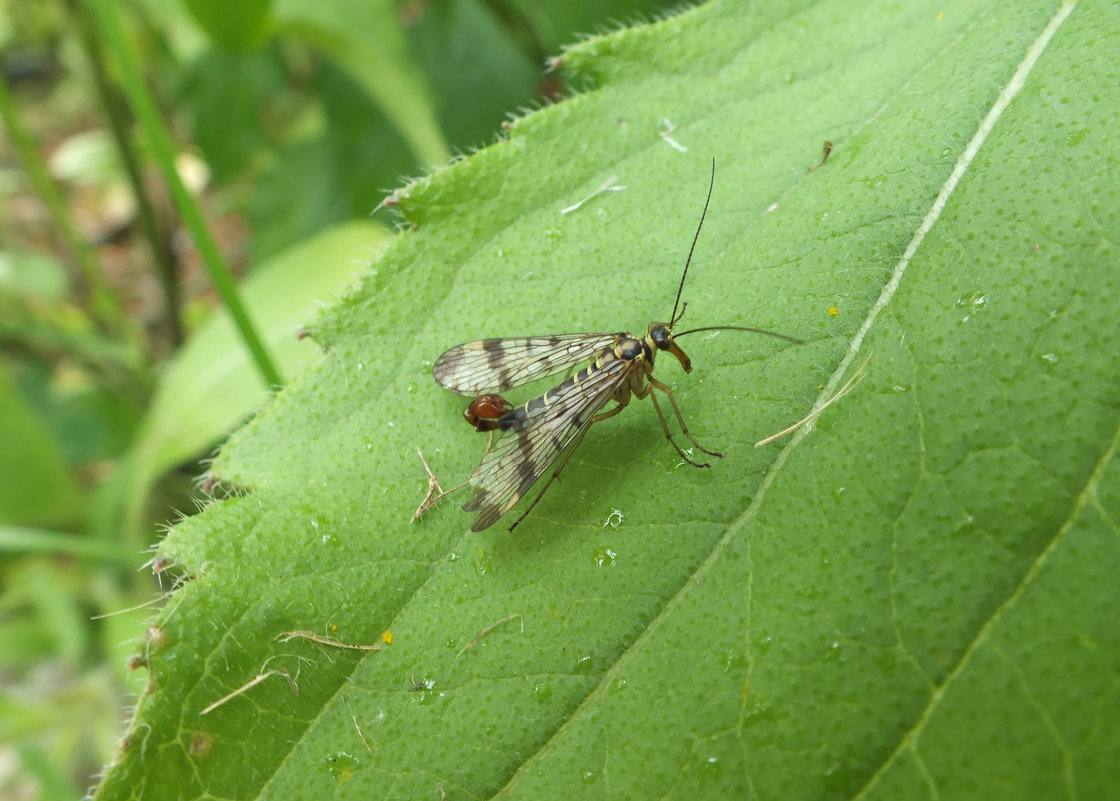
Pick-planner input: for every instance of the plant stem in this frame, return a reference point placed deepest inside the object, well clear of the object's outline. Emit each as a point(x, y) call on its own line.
point(163, 150)
point(104, 309)
point(117, 113)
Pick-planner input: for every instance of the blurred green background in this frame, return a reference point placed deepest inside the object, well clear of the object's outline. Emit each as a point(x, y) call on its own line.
point(179, 181)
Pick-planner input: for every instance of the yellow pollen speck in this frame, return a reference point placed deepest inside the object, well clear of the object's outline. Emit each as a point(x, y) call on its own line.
point(833, 311)
point(387, 637)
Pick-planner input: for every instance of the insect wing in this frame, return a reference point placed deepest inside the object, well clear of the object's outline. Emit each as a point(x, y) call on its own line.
point(532, 443)
point(486, 365)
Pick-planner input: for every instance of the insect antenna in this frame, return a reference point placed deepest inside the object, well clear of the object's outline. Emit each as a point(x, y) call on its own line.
point(794, 340)
point(673, 319)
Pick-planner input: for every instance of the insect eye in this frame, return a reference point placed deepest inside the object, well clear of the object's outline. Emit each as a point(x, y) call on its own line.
point(661, 337)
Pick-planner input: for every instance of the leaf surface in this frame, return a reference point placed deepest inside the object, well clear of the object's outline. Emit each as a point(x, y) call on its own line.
point(913, 598)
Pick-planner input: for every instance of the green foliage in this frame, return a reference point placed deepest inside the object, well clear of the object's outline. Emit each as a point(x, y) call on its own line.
point(209, 388)
point(232, 25)
point(912, 598)
point(38, 486)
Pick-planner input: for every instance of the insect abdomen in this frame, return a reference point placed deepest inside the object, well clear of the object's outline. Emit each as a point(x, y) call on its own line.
point(518, 418)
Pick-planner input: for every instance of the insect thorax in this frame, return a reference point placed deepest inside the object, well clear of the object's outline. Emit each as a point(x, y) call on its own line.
point(631, 350)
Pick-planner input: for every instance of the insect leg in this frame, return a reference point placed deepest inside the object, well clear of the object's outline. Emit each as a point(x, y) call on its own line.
point(567, 456)
point(654, 383)
point(648, 390)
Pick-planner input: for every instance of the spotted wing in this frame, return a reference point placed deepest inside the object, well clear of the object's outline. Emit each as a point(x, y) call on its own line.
point(535, 434)
point(495, 365)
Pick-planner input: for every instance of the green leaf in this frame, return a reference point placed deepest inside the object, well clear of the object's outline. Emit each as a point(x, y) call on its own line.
point(208, 387)
point(476, 68)
point(237, 26)
point(27, 275)
point(339, 173)
point(554, 23)
point(35, 481)
point(913, 598)
point(227, 121)
point(365, 38)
